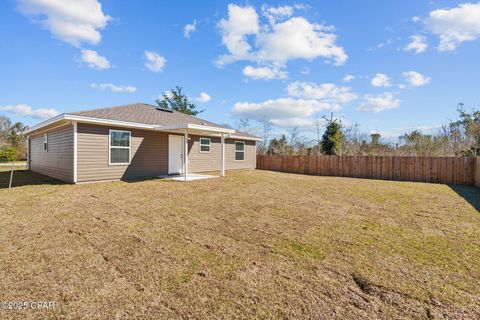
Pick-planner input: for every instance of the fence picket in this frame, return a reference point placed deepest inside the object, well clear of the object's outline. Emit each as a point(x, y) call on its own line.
point(447, 170)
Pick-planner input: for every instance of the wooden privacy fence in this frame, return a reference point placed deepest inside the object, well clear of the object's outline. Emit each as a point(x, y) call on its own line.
point(446, 170)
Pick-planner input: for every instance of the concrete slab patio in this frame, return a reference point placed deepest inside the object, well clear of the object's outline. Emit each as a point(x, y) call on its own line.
point(190, 177)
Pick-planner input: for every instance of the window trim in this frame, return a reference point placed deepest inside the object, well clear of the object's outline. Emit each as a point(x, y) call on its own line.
point(110, 148)
point(209, 145)
point(235, 151)
point(45, 142)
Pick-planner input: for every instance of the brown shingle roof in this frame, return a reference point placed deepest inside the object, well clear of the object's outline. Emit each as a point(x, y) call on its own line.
point(148, 114)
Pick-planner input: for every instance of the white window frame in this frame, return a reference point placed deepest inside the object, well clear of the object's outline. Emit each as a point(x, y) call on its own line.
point(205, 145)
point(110, 148)
point(235, 151)
point(45, 142)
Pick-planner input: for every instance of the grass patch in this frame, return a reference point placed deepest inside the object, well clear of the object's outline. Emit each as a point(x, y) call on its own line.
point(255, 244)
point(295, 248)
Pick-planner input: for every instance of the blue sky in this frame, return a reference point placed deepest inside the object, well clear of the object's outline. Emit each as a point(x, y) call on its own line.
point(391, 66)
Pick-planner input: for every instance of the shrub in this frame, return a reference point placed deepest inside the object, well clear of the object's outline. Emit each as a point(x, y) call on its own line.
point(8, 154)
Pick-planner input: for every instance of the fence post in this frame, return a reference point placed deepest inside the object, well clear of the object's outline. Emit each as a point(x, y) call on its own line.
point(476, 172)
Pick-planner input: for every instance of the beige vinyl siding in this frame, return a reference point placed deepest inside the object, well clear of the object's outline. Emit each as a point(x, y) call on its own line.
point(250, 155)
point(57, 162)
point(202, 162)
point(149, 154)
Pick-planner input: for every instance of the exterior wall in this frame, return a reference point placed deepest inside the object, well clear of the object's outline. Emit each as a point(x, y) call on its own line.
point(149, 154)
point(57, 162)
point(202, 162)
point(250, 155)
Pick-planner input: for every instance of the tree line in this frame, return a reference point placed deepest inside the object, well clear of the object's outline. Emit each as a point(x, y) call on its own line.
point(459, 137)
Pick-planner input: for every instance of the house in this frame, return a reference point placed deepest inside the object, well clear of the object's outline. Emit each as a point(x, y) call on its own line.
point(134, 141)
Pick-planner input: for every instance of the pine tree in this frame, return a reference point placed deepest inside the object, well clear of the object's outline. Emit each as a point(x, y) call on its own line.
point(332, 138)
point(176, 100)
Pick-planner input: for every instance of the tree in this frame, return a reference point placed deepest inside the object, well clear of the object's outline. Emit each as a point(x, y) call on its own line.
point(424, 145)
point(4, 123)
point(332, 139)
point(464, 133)
point(13, 137)
point(176, 100)
point(13, 134)
point(280, 147)
point(265, 131)
point(375, 137)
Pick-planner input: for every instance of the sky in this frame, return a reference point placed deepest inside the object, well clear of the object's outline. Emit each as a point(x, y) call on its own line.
point(390, 66)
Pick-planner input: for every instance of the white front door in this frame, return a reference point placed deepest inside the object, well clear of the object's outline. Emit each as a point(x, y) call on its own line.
point(175, 154)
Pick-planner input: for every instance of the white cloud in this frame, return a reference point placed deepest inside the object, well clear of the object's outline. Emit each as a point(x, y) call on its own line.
point(203, 97)
point(416, 79)
point(381, 102)
point(273, 14)
point(114, 88)
point(266, 73)
point(282, 111)
point(418, 44)
point(305, 99)
point(381, 80)
point(241, 22)
point(155, 62)
point(72, 21)
point(348, 78)
point(24, 110)
point(189, 29)
point(94, 60)
point(305, 40)
point(456, 25)
point(307, 123)
point(326, 92)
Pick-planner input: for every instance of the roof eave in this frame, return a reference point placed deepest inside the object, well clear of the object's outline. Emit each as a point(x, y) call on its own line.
point(127, 124)
point(195, 127)
point(83, 119)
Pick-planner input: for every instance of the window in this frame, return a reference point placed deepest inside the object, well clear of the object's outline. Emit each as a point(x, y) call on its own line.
point(120, 147)
point(239, 150)
point(205, 144)
point(45, 142)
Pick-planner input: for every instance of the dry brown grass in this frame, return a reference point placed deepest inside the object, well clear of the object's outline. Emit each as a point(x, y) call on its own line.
point(255, 244)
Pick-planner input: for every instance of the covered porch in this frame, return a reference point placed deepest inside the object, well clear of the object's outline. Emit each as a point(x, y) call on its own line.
point(178, 150)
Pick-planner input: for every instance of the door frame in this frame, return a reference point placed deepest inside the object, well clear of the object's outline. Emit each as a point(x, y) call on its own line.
point(171, 156)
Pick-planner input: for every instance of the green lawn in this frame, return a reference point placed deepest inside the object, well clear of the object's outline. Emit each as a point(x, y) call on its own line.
point(255, 244)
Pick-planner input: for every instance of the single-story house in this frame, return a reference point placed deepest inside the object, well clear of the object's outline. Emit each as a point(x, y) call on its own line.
point(134, 141)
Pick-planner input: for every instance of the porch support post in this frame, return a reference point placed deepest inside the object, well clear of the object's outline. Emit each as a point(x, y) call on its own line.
point(75, 151)
point(222, 156)
point(185, 155)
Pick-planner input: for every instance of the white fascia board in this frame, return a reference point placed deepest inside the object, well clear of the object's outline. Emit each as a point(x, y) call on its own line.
point(195, 127)
point(110, 122)
point(209, 128)
point(83, 119)
point(127, 124)
point(244, 138)
point(55, 119)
